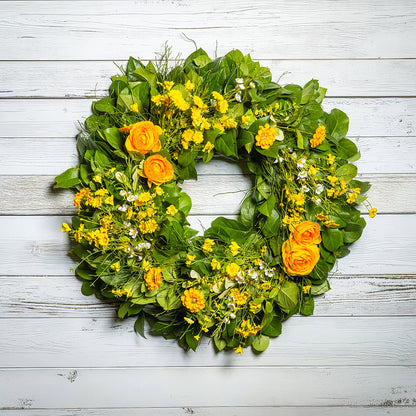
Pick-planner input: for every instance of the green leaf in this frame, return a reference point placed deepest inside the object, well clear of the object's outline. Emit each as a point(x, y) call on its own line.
point(272, 224)
point(320, 289)
point(143, 74)
point(227, 230)
point(185, 203)
point(123, 309)
point(227, 143)
point(191, 340)
point(299, 139)
point(104, 105)
point(87, 289)
point(273, 328)
point(347, 171)
point(260, 343)
point(202, 60)
point(263, 187)
point(220, 343)
point(332, 239)
point(114, 137)
point(288, 295)
point(266, 208)
point(352, 232)
point(337, 124)
point(139, 325)
point(68, 179)
point(346, 149)
point(248, 211)
point(307, 306)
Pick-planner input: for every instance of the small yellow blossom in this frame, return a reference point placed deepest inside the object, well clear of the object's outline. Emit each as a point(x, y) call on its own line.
point(189, 259)
point(168, 84)
point(232, 270)
point(109, 200)
point(134, 108)
point(330, 159)
point(306, 289)
point(239, 350)
point(235, 248)
point(197, 337)
point(97, 178)
point(115, 266)
point(263, 250)
point(372, 212)
point(189, 86)
point(159, 190)
point(207, 246)
point(245, 120)
point(65, 228)
point(190, 321)
point(171, 210)
point(208, 147)
point(215, 264)
point(198, 102)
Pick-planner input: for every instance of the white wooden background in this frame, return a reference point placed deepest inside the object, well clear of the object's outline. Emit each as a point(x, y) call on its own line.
point(63, 354)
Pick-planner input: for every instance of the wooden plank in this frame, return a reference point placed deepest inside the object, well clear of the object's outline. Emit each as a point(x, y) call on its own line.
point(110, 342)
point(80, 30)
point(35, 246)
point(177, 386)
point(51, 156)
point(386, 409)
point(211, 194)
point(346, 78)
point(60, 296)
point(40, 118)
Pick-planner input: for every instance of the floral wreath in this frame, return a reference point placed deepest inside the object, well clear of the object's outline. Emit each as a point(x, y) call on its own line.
point(239, 281)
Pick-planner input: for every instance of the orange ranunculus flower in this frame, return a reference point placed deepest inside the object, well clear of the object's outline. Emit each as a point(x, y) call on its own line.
point(143, 138)
point(157, 169)
point(299, 260)
point(306, 233)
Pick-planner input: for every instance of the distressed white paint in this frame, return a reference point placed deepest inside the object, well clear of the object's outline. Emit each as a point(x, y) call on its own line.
point(342, 77)
point(60, 354)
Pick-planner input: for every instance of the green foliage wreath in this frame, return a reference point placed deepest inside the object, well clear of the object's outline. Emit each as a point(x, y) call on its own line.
point(239, 281)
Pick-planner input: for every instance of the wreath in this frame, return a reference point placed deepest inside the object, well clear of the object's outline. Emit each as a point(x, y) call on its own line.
point(239, 281)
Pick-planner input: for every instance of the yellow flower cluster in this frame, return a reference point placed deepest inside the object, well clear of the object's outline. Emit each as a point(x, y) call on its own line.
point(147, 227)
point(221, 102)
point(239, 298)
point(234, 248)
point(352, 196)
point(189, 135)
point(193, 299)
point(120, 293)
point(318, 137)
point(207, 246)
point(247, 330)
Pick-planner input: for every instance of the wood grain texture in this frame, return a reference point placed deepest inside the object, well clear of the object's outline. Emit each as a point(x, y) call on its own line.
point(40, 118)
point(68, 30)
point(89, 342)
point(389, 408)
point(60, 296)
point(189, 386)
point(80, 79)
point(51, 156)
point(33, 245)
point(222, 194)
